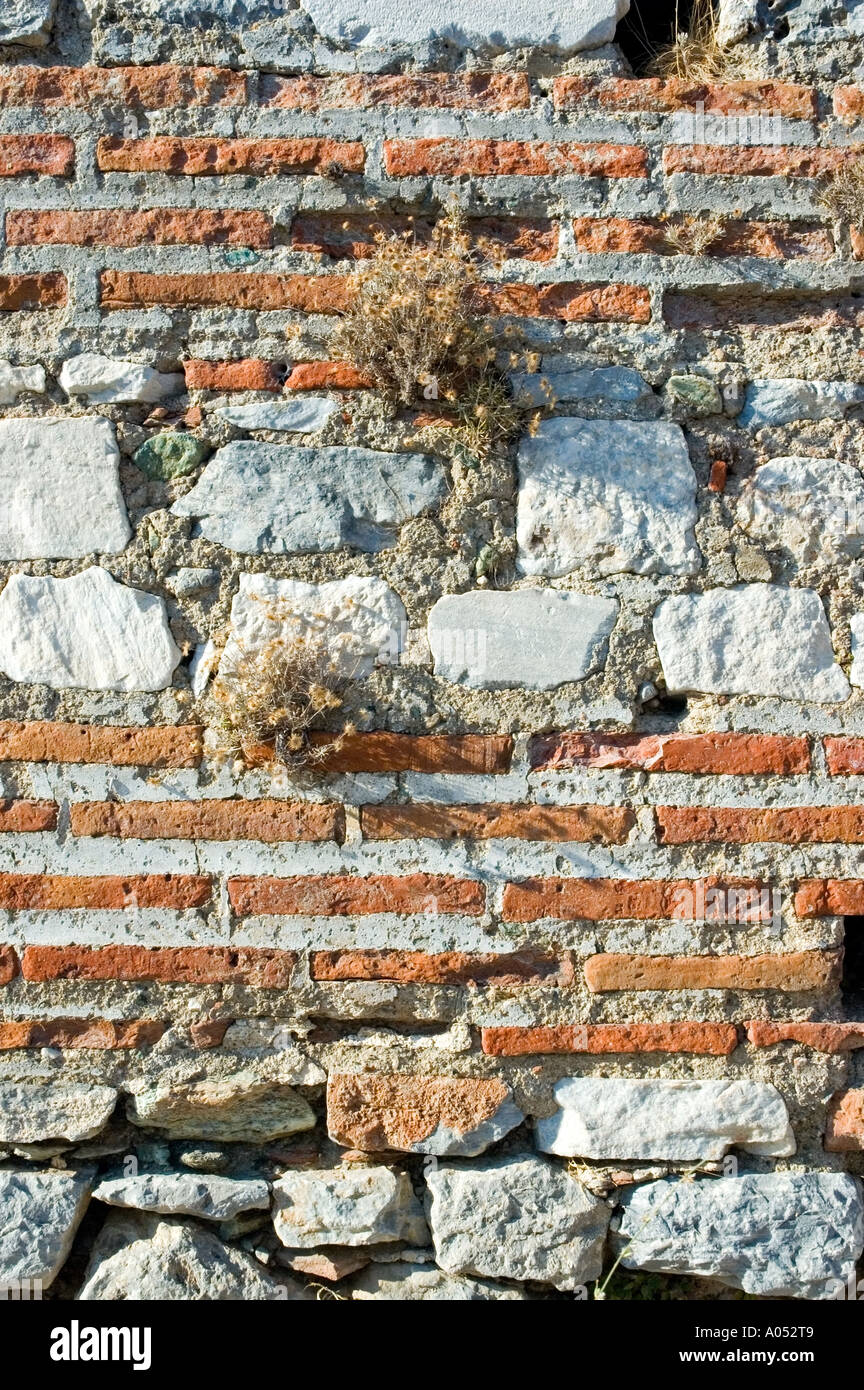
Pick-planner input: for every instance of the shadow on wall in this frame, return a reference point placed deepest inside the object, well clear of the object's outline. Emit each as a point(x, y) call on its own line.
point(650, 25)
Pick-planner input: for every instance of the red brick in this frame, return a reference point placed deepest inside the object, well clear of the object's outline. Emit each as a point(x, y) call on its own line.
point(43, 742)
point(157, 226)
point(8, 964)
point(98, 1033)
point(45, 892)
point(678, 93)
point(334, 895)
point(650, 236)
point(375, 1111)
point(169, 154)
point(354, 237)
point(44, 291)
point(271, 821)
point(792, 825)
point(452, 155)
point(803, 161)
point(151, 88)
point(601, 824)
point(823, 1037)
point(247, 374)
point(21, 816)
point(445, 968)
point(849, 104)
point(574, 303)
point(384, 752)
point(718, 476)
point(713, 753)
point(36, 154)
point(605, 899)
point(193, 965)
point(326, 376)
point(830, 897)
point(713, 1039)
point(479, 91)
point(844, 1129)
point(844, 755)
point(210, 1032)
point(313, 294)
point(790, 972)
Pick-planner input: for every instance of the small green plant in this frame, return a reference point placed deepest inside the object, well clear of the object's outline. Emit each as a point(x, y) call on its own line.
point(696, 53)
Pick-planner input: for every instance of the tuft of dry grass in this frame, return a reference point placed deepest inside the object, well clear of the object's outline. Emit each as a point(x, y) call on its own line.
point(696, 52)
point(693, 236)
point(842, 193)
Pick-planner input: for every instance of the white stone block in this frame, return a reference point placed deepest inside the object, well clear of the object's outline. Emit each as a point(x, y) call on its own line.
point(106, 381)
point(558, 25)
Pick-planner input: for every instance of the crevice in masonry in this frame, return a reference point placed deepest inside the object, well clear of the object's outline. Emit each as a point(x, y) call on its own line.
point(852, 985)
point(649, 26)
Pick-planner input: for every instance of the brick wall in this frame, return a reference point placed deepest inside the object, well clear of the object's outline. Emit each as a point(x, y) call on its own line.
point(579, 886)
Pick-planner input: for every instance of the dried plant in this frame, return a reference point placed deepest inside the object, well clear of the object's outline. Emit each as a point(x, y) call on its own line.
point(696, 53)
point(693, 236)
point(842, 193)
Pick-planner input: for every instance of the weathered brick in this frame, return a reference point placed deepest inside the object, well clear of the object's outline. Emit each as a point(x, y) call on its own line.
point(45, 742)
point(844, 1128)
point(849, 104)
point(46, 892)
point(802, 161)
point(324, 294)
point(822, 1037)
point(151, 88)
point(711, 753)
point(830, 897)
point(127, 227)
point(326, 376)
point(443, 968)
point(354, 237)
point(718, 476)
point(788, 825)
point(574, 303)
point(98, 1033)
point(717, 1039)
point(271, 821)
point(603, 899)
point(447, 155)
point(650, 236)
point(335, 895)
point(792, 971)
point(195, 965)
point(45, 291)
point(385, 752)
point(171, 154)
point(36, 154)
point(210, 1032)
point(247, 374)
point(844, 755)
point(21, 816)
point(678, 93)
point(603, 824)
point(479, 91)
point(803, 310)
point(8, 964)
point(379, 1111)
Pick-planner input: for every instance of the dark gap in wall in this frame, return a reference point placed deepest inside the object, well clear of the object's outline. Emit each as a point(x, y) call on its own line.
point(673, 705)
point(852, 985)
point(648, 26)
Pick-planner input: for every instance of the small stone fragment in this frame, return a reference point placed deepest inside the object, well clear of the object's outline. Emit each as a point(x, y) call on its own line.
point(170, 455)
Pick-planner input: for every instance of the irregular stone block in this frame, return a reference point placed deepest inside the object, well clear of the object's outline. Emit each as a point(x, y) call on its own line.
point(346, 1206)
point(243, 1108)
point(87, 632)
point(693, 395)
point(757, 639)
point(191, 580)
point(856, 627)
point(32, 1112)
point(39, 1215)
point(359, 620)
point(782, 400)
point(550, 24)
point(170, 455)
point(539, 638)
point(60, 493)
point(783, 1235)
point(185, 1194)
point(105, 381)
point(811, 507)
point(516, 1218)
point(27, 22)
point(613, 386)
point(444, 1115)
point(409, 1283)
point(616, 1117)
point(277, 500)
point(612, 495)
point(300, 417)
point(14, 380)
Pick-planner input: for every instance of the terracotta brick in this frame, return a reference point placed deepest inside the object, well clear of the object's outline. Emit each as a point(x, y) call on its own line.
point(802, 310)
point(271, 821)
point(384, 752)
point(718, 476)
point(830, 897)
point(449, 155)
point(802, 161)
point(788, 825)
point(19, 816)
point(849, 104)
point(856, 240)
point(479, 91)
point(445, 968)
point(247, 374)
point(601, 824)
point(46, 892)
point(844, 1128)
point(678, 93)
point(43, 742)
point(151, 88)
point(844, 755)
point(322, 294)
point(44, 291)
point(326, 376)
point(194, 965)
point(822, 1037)
point(210, 1032)
point(605, 899)
point(157, 226)
point(36, 154)
point(171, 154)
point(8, 964)
point(354, 237)
point(98, 1033)
point(710, 753)
point(793, 971)
point(574, 303)
point(334, 895)
point(333, 1262)
point(712, 1039)
point(379, 1111)
point(649, 236)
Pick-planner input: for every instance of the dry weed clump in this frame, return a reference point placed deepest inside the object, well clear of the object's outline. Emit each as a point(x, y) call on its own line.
point(842, 193)
point(693, 236)
point(697, 54)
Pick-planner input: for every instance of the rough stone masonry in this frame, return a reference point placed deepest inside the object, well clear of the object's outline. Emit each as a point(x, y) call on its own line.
point(578, 910)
